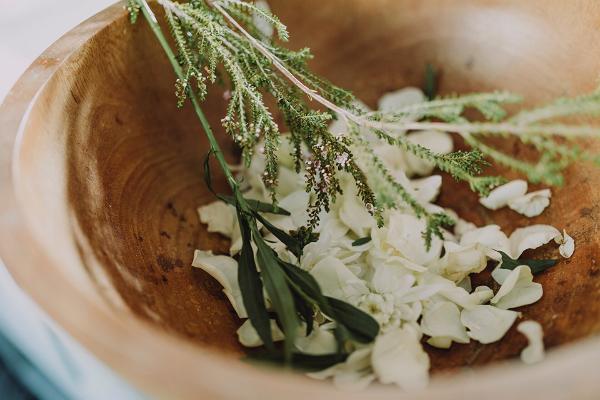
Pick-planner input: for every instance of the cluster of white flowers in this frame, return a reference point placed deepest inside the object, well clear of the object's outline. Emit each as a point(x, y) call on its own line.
point(414, 293)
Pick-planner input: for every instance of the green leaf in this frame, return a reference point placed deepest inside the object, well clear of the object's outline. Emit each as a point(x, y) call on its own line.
point(306, 311)
point(207, 173)
point(361, 241)
point(431, 81)
point(361, 325)
point(291, 242)
point(251, 287)
point(305, 362)
point(278, 290)
point(257, 206)
point(306, 287)
point(537, 266)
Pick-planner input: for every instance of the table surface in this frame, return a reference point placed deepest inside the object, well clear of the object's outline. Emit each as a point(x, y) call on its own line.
point(37, 358)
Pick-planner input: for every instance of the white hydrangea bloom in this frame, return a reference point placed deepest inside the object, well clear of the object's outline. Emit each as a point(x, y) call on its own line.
point(487, 324)
point(567, 244)
point(531, 204)
point(500, 196)
point(399, 358)
point(518, 289)
point(225, 270)
point(534, 352)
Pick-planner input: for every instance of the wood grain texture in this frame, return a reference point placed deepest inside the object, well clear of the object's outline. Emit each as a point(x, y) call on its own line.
point(101, 175)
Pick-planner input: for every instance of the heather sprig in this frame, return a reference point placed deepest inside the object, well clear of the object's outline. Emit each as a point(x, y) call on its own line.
point(220, 41)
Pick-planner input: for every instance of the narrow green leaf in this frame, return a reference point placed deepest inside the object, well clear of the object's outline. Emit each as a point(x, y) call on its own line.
point(292, 243)
point(361, 241)
point(305, 362)
point(361, 325)
point(306, 311)
point(431, 81)
point(278, 290)
point(207, 173)
point(537, 266)
point(251, 287)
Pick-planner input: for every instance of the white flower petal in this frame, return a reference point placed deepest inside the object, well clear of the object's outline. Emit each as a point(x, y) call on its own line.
point(567, 244)
point(437, 142)
point(320, 341)
point(500, 196)
point(460, 261)
point(442, 319)
point(405, 236)
point(297, 204)
point(353, 213)
point(260, 22)
point(518, 289)
point(336, 280)
point(225, 270)
point(461, 297)
point(248, 336)
point(440, 342)
point(489, 236)
point(394, 159)
point(398, 357)
point(487, 324)
point(389, 278)
point(530, 237)
point(427, 189)
point(353, 374)
point(532, 204)
point(534, 352)
point(219, 217)
point(500, 274)
point(393, 101)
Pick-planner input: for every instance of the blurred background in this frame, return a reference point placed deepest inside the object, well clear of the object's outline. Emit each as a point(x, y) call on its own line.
point(37, 359)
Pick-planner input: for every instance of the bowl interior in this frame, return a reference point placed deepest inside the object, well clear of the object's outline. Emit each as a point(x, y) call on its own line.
point(109, 171)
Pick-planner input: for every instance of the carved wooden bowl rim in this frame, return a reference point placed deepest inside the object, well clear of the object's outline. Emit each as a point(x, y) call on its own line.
point(166, 366)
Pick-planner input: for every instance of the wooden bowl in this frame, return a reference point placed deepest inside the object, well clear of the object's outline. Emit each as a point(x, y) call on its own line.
point(101, 175)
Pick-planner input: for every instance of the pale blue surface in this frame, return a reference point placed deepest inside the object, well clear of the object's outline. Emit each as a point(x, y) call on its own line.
point(45, 358)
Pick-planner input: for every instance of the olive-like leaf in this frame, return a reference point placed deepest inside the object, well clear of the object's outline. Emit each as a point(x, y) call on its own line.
point(537, 266)
point(361, 241)
point(361, 325)
point(305, 362)
point(291, 242)
point(278, 290)
point(251, 287)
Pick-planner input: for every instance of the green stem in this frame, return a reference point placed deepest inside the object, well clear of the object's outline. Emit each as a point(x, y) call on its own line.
point(214, 144)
